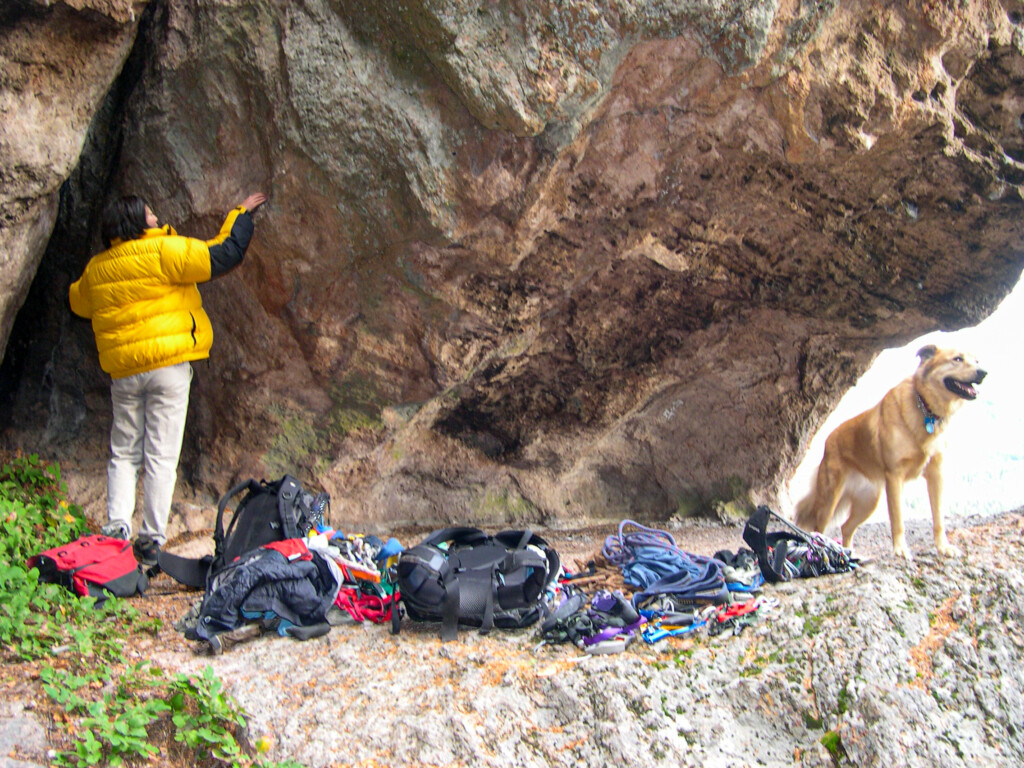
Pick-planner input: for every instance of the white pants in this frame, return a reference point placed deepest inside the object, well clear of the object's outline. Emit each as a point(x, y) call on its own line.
point(149, 423)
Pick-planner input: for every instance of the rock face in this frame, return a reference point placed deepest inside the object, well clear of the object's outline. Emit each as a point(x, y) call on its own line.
point(541, 261)
point(57, 66)
point(896, 664)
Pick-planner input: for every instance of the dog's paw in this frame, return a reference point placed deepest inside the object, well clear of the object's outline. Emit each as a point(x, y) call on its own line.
point(900, 549)
point(948, 550)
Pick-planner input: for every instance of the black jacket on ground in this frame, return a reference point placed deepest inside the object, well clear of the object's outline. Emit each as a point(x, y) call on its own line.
point(299, 591)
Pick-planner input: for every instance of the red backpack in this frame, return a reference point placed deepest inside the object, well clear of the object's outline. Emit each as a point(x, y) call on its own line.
point(96, 566)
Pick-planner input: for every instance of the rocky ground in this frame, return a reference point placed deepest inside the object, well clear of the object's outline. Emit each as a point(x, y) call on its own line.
point(896, 664)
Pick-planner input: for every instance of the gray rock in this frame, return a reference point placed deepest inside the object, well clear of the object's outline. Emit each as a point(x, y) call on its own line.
point(894, 664)
point(22, 734)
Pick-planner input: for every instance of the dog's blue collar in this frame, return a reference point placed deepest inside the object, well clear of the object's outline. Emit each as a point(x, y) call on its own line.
point(930, 418)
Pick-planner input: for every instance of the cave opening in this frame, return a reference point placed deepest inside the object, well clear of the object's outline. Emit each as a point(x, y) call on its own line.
point(984, 458)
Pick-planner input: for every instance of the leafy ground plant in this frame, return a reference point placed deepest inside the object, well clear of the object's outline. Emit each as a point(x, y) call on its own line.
point(39, 619)
point(116, 713)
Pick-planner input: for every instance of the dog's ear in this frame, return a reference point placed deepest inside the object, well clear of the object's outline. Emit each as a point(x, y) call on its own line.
point(927, 353)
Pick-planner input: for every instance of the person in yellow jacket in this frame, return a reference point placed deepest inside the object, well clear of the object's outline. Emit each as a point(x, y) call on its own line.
point(142, 296)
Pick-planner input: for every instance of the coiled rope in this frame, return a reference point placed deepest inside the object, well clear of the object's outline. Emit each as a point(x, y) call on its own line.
point(649, 555)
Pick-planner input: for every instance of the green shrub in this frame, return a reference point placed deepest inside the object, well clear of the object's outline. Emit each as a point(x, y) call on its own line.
point(44, 621)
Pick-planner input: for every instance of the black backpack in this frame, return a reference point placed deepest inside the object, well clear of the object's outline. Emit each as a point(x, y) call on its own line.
point(268, 512)
point(463, 576)
point(815, 555)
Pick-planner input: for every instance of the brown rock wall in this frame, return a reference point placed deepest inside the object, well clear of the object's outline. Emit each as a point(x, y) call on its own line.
point(546, 261)
point(57, 62)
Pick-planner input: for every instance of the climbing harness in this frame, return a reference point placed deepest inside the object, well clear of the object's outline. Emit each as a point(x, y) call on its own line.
point(672, 625)
point(607, 623)
point(735, 617)
point(363, 605)
point(616, 623)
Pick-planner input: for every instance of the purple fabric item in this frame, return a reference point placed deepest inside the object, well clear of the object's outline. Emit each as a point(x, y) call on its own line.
point(609, 633)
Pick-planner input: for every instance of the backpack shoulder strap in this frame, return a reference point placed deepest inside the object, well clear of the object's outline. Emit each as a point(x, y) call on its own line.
point(218, 529)
point(518, 541)
point(450, 609)
point(755, 534)
point(287, 499)
point(191, 571)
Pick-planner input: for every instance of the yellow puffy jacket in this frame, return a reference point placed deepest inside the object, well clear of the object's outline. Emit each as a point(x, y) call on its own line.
point(142, 298)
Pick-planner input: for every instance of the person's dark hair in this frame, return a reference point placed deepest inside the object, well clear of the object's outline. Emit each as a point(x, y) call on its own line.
point(123, 219)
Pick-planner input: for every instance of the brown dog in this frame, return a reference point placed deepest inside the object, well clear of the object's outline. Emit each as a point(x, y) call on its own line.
point(895, 441)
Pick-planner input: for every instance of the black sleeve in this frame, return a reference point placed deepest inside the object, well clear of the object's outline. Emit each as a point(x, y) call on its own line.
point(228, 255)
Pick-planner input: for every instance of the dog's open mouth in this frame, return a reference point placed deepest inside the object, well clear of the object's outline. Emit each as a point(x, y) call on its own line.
point(964, 389)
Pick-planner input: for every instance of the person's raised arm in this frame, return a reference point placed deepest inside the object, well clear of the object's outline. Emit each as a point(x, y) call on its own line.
point(228, 249)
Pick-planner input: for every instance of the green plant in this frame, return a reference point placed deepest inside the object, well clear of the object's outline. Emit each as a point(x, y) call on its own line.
point(28, 478)
point(119, 728)
point(39, 619)
point(113, 728)
point(202, 714)
point(812, 721)
point(751, 670)
point(682, 656)
point(833, 742)
point(34, 509)
point(63, 685)
point(843, 701)
point(812, 625)
point(117, 707)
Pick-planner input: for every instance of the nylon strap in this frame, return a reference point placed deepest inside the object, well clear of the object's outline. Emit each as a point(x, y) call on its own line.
point(488, 621)
point(287, 498)
point(218, 528)
point(450, 615)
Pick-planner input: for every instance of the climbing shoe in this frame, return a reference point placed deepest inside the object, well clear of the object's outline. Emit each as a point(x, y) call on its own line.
point(116, 529)
point(146, 551)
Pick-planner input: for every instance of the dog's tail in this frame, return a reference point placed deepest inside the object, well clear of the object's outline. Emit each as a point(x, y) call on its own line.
point(805, 517)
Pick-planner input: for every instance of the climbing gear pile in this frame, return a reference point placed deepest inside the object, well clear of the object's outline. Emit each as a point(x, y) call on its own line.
point(741, 570)
point(717, 620)
point(510, 580)
point(683, 594)
point(606, 623)
point(793, 552)
point(368, 591)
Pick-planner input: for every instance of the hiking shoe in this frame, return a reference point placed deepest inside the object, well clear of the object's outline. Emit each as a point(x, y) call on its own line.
point(146, 551)
point(116, 529)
